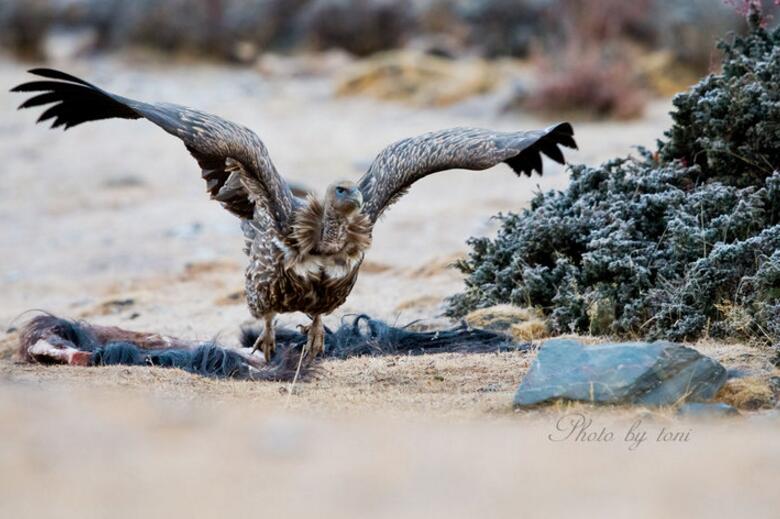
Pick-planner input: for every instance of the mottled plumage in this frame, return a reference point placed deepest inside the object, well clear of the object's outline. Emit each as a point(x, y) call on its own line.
point(304, 255)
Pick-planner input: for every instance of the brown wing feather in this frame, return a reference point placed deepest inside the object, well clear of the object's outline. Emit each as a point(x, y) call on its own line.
point(235, 164)
point(401, 164)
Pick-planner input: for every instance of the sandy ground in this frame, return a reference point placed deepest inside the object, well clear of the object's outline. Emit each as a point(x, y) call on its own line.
point(110, 222)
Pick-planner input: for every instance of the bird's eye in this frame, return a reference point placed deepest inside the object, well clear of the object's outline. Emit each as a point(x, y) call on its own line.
point(340, 190)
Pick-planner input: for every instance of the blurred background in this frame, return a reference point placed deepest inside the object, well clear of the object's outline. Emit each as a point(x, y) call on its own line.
point(599, 58)
point(109, 222)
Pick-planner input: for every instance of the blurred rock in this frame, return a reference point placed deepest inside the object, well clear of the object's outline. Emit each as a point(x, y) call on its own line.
point(689, 30)
point(123, 181)
point(502, 27)
point(302, 65)
point(441, 45)
point(361, 27)
point(417, 79)
point(24, 26)
point(236, 30)
point(242, 30)
point(652, 374)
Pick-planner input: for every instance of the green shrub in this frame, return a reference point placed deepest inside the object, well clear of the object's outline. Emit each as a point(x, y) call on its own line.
point(676, 244)
point(729, 123)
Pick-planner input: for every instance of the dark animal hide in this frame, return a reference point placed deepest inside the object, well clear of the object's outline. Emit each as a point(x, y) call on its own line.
point(95, 345)
point(366, 336)
point(107, 345)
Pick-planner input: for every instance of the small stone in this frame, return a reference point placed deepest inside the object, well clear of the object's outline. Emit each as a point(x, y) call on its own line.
point(737, 373)
point(185, 231)
point(651, 374)
point(123, 181)
point(707, 410)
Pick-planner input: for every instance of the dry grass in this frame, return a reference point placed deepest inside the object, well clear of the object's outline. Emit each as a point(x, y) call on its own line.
point(417, 79)
point(531, 330)
point(501, 317)
point(749, 393)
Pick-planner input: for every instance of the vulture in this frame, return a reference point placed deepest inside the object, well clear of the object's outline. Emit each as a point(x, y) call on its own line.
point(304, 254)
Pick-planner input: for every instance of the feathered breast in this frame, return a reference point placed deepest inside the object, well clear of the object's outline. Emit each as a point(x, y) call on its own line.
point(306, 236)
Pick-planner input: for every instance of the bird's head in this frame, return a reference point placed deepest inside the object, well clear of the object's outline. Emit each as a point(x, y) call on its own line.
point(344, 196)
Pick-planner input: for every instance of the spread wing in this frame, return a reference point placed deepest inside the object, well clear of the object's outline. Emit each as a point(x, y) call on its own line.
point(401, 164)
point(235, 164)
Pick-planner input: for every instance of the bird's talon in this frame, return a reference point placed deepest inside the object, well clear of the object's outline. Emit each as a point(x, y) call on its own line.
point(269, 348)
point(267, 343)
point(315, 343)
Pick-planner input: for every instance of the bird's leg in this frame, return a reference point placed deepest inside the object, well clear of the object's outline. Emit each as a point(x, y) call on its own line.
point(315, 344)
point(267, 341)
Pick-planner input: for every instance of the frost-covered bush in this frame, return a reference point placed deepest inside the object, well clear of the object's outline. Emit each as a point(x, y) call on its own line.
point(676, 244)
point(729, 123)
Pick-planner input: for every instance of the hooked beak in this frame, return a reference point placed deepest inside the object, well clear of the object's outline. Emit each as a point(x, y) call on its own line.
point(356, 197)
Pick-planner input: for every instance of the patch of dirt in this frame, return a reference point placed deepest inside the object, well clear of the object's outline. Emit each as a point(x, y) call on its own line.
point(198, 269)
point(420, 302)
point(374, 267)
point(435, 267)
point(234, 298)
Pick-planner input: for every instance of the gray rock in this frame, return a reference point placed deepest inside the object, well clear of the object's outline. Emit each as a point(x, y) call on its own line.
point(707, 410)
point(737, 373)
point(652, 374)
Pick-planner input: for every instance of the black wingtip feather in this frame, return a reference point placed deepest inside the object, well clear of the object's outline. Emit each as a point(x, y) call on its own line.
point(58, 74)
point(564, 128)
point(567, 141)
point(563, 135)
point(535, 160)
point(530, 159)
point(73, 100)
point(552, 151)
point(41, 99)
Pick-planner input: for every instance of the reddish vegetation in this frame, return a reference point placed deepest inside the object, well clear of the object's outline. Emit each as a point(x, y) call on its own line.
point(592, 84)
point(749, 8)
point(592, 73)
